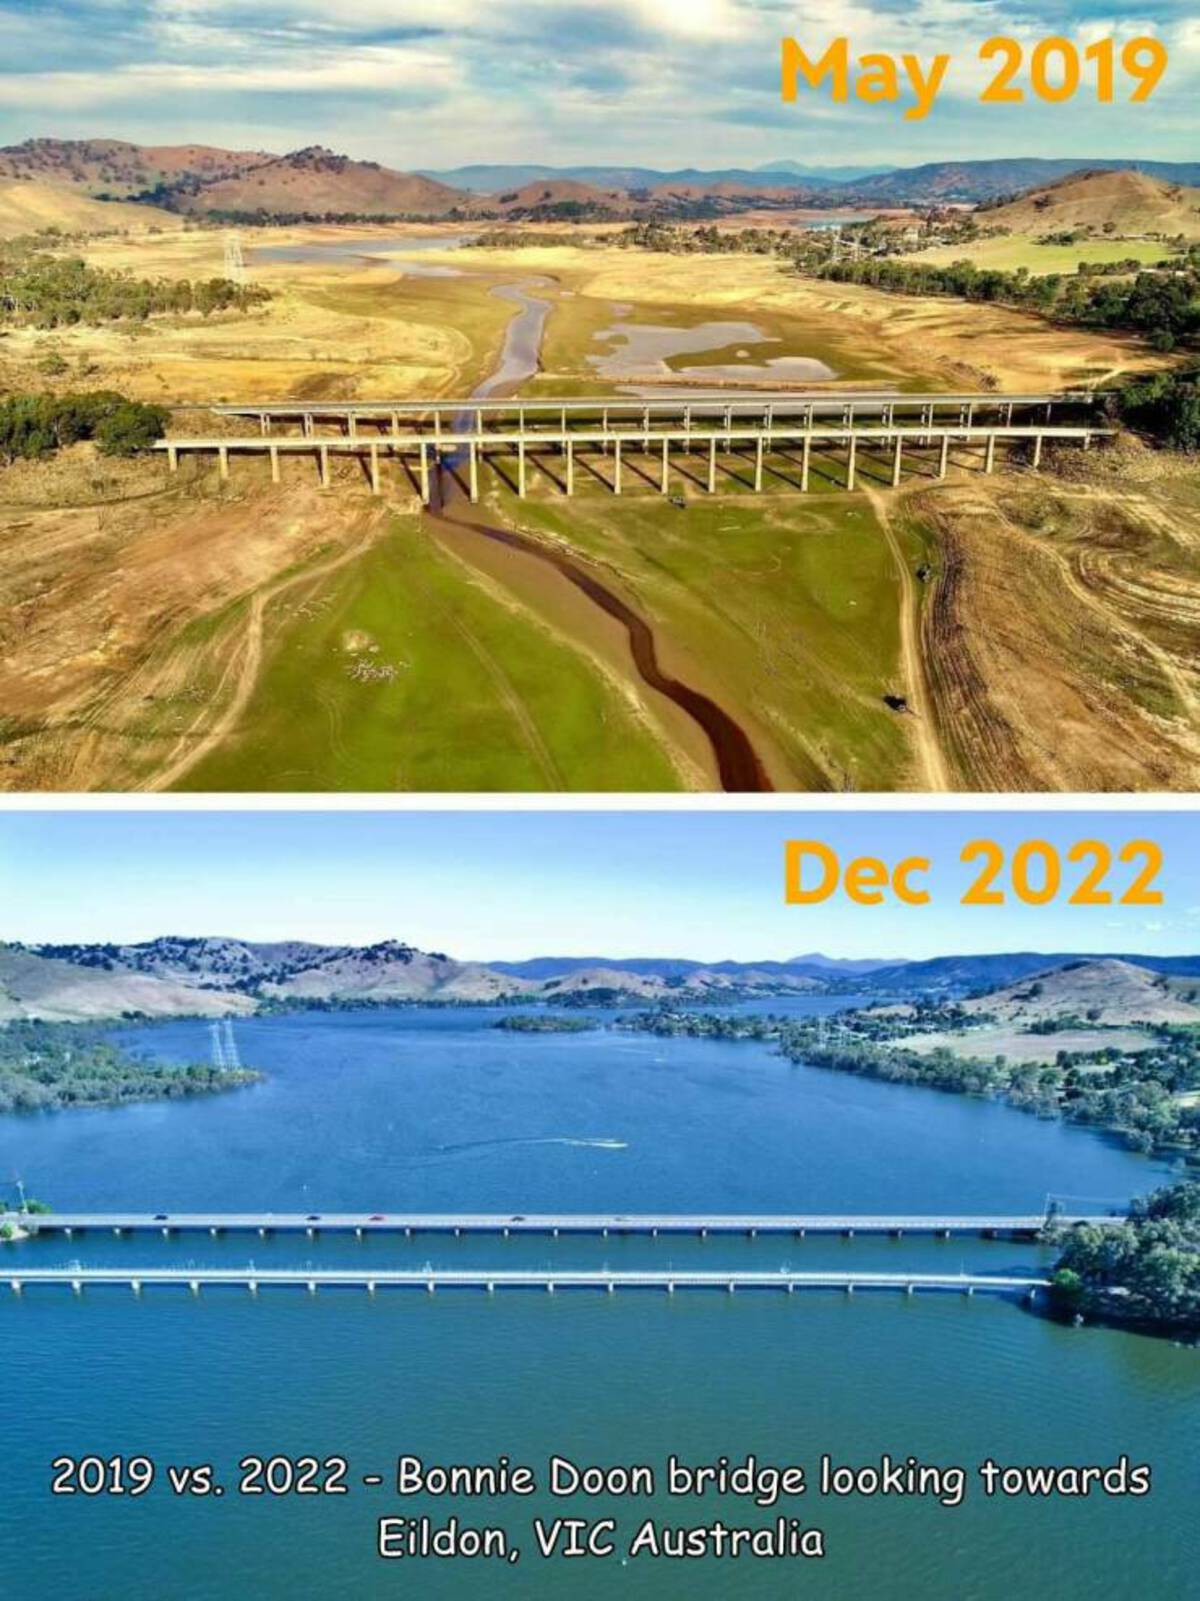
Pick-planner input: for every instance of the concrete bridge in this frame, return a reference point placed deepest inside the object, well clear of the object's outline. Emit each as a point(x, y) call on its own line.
point(554, 1224)
point(491, 1280)
point(747, 452)
point(643, 415)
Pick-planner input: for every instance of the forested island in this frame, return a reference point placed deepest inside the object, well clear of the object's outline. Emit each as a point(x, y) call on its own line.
point(543, 1023)
point(1145, 1272)
point(1148, 1096)
point(50, 1066)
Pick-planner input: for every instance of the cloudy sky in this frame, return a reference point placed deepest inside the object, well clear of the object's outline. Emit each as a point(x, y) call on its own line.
point(434, 83)
point(509, 885)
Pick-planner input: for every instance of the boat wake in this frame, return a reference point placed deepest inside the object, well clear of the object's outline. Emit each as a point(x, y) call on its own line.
point(484, 1145)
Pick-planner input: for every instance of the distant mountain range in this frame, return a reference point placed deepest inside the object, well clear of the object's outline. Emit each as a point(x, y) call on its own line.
point(212, 977)
point(318, 183)
point(491, 180)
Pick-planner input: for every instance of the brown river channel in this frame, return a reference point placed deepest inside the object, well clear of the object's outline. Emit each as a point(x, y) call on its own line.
point(738, 764)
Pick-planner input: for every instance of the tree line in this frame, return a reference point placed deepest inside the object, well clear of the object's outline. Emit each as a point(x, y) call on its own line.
point(44, 291)
point(1145, 1271)
point(34, 425)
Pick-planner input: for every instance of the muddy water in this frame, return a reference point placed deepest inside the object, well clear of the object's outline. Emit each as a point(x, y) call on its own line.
point(738, 765)
point(644, 350)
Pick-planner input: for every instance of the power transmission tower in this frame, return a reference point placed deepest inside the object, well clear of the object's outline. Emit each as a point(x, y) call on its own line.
point(235, 262)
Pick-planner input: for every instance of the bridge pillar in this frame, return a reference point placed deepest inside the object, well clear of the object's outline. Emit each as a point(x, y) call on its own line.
point(732, 1287)
point(1008, 414)
point(76, 1287)
point(358, 1233)
point(687, 419)
point(223, 460)
point(136, 1286)
point(430, 1286)
point(166, 1234)
point(1037, 451)
point(570, 467)
point(549, 1286)
point(312, 1286)
point(323, 455)
point(16, 1286)
point(274, 453)
point(604, 430)
point(370, 1286)
point(521, 466)
point(896, 462)
point(473, 469)
point(850, 462)
point(617, 467)
point(424, 473)
point(791, 1288)
point(666, 465)
point(172, 458)
point(805, 458)
point(375, 485)
point(758, 465)
point(213, 1232)
point(352, 424)
point(910, 1289)
point(989, 460)
point(311, 1233)
point(194, 1286)
point(1087, 441)
point(670, 1289)
point(712, 465)
point(395, 423)
point(611, 1287)
point(944, 460)
point(252, 1286)
point(849, 1289)
point(969, 1290)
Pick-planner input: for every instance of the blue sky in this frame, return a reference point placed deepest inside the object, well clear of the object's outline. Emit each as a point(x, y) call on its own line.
point(431, 83)
point(507, 885)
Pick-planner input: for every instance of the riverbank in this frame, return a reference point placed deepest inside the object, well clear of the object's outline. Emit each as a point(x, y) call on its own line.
point(1143, 1094)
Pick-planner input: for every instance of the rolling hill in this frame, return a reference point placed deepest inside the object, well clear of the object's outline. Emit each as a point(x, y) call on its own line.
point(214, 976)
point(56, 991)
point(116, 169)
point(317, 182)
point(1104, 991)
point(1121, 202)
point(29, 207)
point(943, 182)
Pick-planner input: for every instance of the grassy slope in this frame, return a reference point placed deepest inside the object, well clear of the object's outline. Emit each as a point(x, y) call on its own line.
point(483, 698)
point(791, 607)
point(1018, 250)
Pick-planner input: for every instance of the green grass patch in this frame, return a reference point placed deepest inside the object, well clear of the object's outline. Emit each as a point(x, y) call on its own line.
point(1012, 251)
point(399, 673)
point(789, 603)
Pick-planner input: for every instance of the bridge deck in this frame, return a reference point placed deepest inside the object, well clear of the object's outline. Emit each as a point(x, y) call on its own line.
point(549, 1223)
point(698, 400)
point(486, 1279)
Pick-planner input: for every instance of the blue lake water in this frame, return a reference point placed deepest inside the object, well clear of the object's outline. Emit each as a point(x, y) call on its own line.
point(436, 1109)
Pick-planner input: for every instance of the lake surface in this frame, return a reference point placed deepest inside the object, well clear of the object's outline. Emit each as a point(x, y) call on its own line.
point(368, 248)
point(437, 1109)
